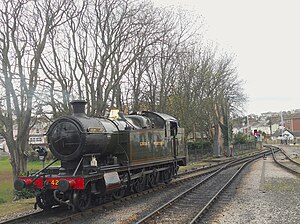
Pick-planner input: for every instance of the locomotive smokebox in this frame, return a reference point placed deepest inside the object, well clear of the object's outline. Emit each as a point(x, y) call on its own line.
point(71, 137)
point(78, 106)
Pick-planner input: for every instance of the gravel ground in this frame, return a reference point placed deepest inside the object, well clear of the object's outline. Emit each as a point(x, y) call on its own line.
point(130, 210)
point(266, 194)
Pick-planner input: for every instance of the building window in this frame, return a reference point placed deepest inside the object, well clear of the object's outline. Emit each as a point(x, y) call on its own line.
point(35, 140)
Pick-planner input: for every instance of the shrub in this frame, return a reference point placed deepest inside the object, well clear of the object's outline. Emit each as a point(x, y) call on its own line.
point(200, 144)
point(240, 138)
point(34, 156)
point(24, 193)
point(2, 201)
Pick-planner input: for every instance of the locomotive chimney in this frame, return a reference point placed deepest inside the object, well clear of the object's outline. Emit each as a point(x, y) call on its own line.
point(78, 106)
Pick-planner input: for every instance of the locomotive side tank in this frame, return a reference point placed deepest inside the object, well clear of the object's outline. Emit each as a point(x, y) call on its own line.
point(101, 156)
point(152, 142)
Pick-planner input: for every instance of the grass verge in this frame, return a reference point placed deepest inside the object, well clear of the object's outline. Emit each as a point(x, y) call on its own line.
point(6, 178)
point(23, 205)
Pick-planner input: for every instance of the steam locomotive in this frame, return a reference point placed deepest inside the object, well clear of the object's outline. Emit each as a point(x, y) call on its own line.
point(105, 156)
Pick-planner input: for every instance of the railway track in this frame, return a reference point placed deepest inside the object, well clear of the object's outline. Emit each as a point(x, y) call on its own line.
point(66, 216)
point(59, 214)
point(24, 218)
point(285, 161)
point(190, 205)
point(40, 216)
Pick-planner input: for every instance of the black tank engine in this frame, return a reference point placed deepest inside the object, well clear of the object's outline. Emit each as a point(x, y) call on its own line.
point(106, 156)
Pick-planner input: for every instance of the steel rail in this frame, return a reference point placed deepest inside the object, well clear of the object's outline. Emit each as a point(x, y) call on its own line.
point(289, 169)
point(221, 190)
point(183, 194)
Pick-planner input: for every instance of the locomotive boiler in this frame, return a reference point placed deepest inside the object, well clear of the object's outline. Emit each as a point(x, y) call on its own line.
point(106, 156)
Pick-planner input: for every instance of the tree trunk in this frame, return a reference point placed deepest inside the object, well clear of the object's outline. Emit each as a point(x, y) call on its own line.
point(217, 141)
point(18, 159)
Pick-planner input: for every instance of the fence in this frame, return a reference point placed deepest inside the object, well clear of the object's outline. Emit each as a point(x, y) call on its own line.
point(244, 147)
point(196, 154)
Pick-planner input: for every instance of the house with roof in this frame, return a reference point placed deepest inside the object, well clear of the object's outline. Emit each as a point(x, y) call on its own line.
point(290, 129)
point(292, 123)
point(36, 135)
point(284, 135)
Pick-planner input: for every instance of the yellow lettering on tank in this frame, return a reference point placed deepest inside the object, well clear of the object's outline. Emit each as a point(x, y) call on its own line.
point(159, 143)
point(144, 143)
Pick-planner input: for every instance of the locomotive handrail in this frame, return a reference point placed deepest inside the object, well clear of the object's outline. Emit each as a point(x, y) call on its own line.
point(113, 122)
point(39, 173)
point(77, 167)
point(43, 169)
point(92, 154)
point(121, 115)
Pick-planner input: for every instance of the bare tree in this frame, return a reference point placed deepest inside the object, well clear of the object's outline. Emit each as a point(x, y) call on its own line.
point(98, 48)
point(189, 98)
point(127, 53)
point(25, 26)
point(227, 95)
point(154, 74)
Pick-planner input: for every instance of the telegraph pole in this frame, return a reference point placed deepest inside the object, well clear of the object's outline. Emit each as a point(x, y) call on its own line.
point(227, 124)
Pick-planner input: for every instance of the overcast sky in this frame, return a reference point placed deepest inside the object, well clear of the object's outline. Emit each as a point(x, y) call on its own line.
point(265, 37)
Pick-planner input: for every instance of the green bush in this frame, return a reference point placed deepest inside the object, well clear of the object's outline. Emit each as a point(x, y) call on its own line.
point(2, 201)
point(200, 144)
point(240, 138)
point(24, 193)
point(34, 156)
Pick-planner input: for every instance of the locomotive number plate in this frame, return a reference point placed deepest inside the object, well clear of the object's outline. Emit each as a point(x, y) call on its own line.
point(54, 182)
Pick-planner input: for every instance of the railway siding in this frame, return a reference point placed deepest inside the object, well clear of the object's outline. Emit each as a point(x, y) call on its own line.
point(266, 194)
